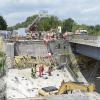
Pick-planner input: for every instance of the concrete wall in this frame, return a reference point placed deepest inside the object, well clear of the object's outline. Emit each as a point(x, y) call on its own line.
point(58, 48)
point(33, 48)
point(9, 49)
point(38, 49)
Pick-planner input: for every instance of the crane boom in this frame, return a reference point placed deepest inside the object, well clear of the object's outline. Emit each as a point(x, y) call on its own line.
point(67, 86)
point(33, 26)
point(76, 86)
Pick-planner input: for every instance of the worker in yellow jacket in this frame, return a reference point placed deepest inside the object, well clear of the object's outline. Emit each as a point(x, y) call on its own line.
point(33, 72)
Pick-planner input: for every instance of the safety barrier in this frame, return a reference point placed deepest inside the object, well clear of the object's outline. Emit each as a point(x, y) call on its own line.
point(85, 39)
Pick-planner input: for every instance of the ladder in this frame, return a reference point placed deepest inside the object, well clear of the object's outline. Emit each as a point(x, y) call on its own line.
point(41, 15)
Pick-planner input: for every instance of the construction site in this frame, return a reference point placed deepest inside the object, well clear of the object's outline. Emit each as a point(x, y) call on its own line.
point(47, 67)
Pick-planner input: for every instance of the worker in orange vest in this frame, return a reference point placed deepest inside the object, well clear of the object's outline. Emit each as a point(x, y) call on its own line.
point(41, 70)
point(62, 83)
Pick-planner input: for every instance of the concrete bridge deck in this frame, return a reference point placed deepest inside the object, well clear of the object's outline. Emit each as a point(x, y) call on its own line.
point(87, 45)
point(85, 40)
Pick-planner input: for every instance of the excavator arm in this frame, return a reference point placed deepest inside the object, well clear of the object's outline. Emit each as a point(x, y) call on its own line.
point(67, 86)
point(76, 86)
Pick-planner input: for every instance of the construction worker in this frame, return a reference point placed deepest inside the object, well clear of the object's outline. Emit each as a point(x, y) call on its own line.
point(62, 83)
point(33, 72)
point(49, 71)
point(41, 70)
point(52, 63)
point(49, 55)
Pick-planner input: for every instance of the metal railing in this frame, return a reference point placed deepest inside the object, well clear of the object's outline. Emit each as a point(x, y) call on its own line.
point(84, 37)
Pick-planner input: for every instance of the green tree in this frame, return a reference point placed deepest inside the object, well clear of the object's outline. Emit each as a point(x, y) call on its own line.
point(94, 30)
point(3, 24)
point(97, 28)
point(91, 29)
point(48, 23)
point(68, 25)
point(44, 25)
point(75, 27)
point(53, 22)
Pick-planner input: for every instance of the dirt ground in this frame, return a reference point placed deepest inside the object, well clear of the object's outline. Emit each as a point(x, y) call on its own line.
point(20, 84)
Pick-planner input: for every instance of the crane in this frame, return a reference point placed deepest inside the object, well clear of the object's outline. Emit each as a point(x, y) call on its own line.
point(32, 27)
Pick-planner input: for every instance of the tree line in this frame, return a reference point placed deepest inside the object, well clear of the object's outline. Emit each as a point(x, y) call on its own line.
point(3, 24)
point(52, 22)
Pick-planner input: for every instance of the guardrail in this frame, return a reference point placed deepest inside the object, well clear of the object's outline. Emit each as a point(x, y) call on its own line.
point(84, 36)
point(85, 39)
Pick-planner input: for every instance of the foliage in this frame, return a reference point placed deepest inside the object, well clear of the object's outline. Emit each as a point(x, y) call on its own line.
point(48, 23)
point(53, 22)
point(3, 24)
point(45, 24)
point(68, 25)
point(28, 21)
point(2, 54)
point(2, 58)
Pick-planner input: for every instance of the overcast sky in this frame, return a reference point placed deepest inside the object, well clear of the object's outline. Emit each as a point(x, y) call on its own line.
point(82, 11)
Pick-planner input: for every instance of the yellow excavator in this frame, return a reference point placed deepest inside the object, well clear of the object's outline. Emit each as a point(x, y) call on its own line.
point(67, 86)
